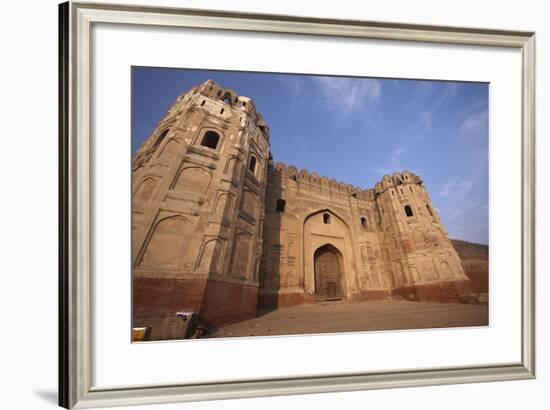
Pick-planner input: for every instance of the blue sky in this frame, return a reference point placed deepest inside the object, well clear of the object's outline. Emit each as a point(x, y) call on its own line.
point(356, 130)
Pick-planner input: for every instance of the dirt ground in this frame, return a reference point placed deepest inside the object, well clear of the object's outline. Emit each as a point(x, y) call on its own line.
point(334, 317)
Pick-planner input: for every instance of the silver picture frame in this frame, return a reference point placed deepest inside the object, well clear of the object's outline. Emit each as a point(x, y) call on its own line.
point(75, 230)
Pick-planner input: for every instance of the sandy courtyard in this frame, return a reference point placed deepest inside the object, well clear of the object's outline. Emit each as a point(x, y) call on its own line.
point(332, 317)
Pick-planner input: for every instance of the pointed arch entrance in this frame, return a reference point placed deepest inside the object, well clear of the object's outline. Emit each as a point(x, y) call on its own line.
point(328, 273)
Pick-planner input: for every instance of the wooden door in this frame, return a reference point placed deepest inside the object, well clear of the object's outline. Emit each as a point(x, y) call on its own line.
point(328, 278)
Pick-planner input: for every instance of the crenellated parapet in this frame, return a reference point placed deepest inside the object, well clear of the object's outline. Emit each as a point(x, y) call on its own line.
point(396, 179)
point(303, 176)
point(242, 104)
point(312, 178)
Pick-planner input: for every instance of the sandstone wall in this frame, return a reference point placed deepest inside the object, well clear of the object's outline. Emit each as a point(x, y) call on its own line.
point(305, 212)
point(389, 240)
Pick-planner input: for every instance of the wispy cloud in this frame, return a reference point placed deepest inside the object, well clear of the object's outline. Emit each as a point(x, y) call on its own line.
point(426, 120)
point(475, 124)
point(396, 161)
point(348, 95)
point(459, 196)
point(294, 84)
point(458, 187)
point(464, 198)
point(447, 96)
point(426, 99)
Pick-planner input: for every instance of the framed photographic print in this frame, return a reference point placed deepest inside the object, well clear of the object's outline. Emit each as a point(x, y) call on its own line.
point(255, 205)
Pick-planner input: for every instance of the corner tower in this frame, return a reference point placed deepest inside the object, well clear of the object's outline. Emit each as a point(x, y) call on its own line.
point(417, 251)
point(198, 192)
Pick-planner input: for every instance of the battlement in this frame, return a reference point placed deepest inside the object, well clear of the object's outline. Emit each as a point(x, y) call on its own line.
point(214, 91)
point(304, 176)
point(312, 178)
point(396, 179)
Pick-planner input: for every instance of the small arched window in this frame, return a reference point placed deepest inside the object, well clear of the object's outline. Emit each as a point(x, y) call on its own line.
point(252, 164)
point(326, 218)
point(364, 222)
point(408, 211)
point(280, 207)
point(227, 99)
point(210, 139)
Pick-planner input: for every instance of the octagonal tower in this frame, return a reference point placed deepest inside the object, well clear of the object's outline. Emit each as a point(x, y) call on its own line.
point(418, 253)
point(198, 193)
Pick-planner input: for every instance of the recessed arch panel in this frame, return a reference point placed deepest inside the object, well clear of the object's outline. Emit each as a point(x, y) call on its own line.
point(145, 190)
point(167, 243)
point(193, 179)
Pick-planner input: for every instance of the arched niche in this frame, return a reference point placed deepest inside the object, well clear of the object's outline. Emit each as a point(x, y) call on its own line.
point(317, 233)
point(241, 256)
point(210, 256)
point(166, 244)
point(248, 202)
point(169, 149)
point(223, 202)
point(145, 190)
point(193, 179)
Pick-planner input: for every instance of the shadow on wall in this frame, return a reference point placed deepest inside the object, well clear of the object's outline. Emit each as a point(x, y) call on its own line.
point(269, 277)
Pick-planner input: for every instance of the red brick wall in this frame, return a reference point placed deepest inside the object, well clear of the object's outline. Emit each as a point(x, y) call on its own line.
point(434, 292)
point(405, 292)
point(280, 300)
point(376, 294)
point(267, 301)
point(443, 291)
point(271, 301)
point(156, 301)
point(226, 302)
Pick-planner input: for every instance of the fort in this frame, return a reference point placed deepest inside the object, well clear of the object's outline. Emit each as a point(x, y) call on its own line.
point(221, 230)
